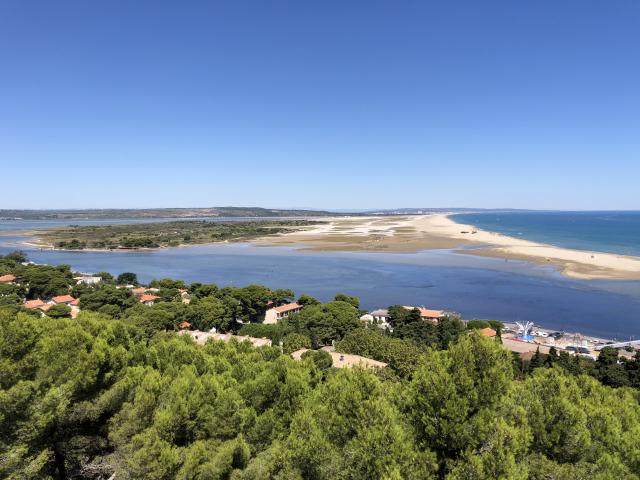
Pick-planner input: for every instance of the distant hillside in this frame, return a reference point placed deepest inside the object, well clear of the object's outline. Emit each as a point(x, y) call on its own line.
point(159, 213)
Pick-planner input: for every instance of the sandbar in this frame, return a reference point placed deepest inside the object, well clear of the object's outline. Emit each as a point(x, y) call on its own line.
point(412, 233)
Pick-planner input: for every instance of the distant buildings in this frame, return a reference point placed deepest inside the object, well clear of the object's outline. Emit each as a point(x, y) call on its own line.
point(380, 317)
point(68, 300)
point(275, 314)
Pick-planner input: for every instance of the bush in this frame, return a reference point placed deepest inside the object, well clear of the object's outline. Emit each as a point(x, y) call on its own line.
point(294, 342)
point(59, 311)
point(477, 324)
point(320, 358)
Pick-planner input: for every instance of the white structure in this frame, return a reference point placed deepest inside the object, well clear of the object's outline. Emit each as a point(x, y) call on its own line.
point(380, 316)
point(87, 280)
point(275, 314)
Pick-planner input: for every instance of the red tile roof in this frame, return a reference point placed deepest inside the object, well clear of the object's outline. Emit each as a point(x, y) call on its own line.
point(139, 290)
point(7, 278)
point(75, 303)
point(488, 332)
point(148, 298)
point(426, 313)
point(287, 308)
point(184, 324)
point(63, 299)
point(33, 304)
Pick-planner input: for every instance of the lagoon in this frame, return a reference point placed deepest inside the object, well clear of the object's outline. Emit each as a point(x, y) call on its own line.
point(475, 287)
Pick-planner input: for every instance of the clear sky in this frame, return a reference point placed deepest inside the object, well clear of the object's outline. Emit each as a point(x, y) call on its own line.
point(328, 104)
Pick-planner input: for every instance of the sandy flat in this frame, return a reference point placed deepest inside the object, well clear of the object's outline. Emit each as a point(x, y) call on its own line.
point(422, 232)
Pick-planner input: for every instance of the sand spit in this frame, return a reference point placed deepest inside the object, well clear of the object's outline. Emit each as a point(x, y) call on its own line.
point(422, 232)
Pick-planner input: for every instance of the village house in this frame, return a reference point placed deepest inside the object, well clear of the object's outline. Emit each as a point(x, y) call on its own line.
point(488, 332)
point(33, 304)
point(202, 337)
point(66, 299)
point(185, 296)
point(431, 315)
point(275, 314)
point(148, 299)
point(87, 280)
point(380, 316)
point(8, 278)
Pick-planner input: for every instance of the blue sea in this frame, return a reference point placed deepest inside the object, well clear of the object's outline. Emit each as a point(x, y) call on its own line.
point(474, 287)
point(613, 232)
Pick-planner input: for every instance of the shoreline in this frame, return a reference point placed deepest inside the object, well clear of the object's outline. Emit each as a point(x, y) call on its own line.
point(414, 233)
point(410, 234)
point(580, 264)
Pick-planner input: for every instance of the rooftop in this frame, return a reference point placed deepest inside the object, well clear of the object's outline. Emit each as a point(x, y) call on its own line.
point(31, 304)
point(7, 278)
point(488, 332)
point(148, 298)
point(287, 308)
point(427, 313)
point(63, 299)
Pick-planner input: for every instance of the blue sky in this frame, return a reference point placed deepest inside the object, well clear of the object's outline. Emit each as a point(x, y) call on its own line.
point(332, 104)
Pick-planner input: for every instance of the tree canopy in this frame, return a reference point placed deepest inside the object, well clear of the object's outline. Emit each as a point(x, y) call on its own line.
point(116, 391)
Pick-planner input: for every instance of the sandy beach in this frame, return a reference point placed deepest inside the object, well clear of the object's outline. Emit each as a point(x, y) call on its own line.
point(422, 232)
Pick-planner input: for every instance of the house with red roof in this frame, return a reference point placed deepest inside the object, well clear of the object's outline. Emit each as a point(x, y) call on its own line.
point(275, 314)
point(431, 315)
point(66, 299)
point(8, 278)
point(488, 332)
point(148, 299)
point(33, 304)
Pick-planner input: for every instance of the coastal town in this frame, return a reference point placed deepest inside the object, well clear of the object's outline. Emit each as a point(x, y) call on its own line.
point(522, 338)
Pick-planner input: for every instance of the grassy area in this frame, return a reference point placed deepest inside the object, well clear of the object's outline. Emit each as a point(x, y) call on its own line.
point(163, 234)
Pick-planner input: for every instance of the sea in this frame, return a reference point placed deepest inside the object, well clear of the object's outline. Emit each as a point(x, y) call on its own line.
point(472, 286)
point(612, 232)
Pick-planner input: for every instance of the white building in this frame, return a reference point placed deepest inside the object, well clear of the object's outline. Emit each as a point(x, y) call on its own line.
point(275, 314)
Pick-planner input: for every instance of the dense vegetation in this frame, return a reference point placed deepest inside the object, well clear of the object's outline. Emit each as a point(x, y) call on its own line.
point(117, 391)
point(162, 234)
